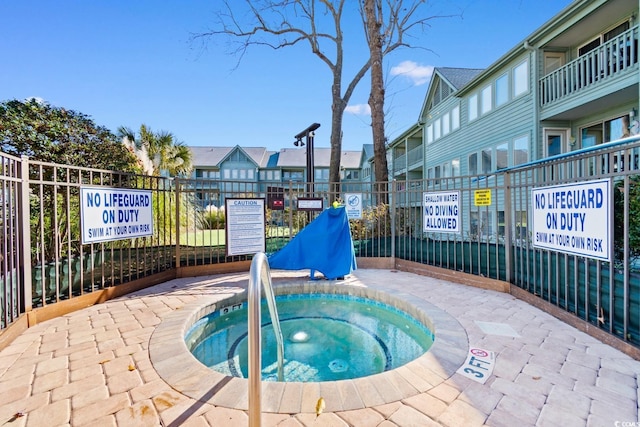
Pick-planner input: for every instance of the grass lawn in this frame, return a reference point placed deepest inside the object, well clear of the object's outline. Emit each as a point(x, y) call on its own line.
point(217, 237)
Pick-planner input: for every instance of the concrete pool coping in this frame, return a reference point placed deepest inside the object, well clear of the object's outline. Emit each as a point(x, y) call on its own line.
point(175, 364)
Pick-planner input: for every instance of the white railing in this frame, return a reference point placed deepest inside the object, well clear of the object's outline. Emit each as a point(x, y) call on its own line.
point(260, 274)
point(613, 57)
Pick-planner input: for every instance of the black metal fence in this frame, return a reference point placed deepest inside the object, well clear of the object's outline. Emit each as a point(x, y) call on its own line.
point(482, 225)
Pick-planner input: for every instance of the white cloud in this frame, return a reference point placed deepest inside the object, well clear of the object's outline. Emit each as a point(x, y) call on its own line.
point(418, 74)
point(359, 109)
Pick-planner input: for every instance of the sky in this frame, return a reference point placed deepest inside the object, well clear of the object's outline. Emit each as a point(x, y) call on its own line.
point(128, 63)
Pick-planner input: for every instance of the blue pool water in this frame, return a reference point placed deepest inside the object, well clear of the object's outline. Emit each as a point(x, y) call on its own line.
point(326, 337)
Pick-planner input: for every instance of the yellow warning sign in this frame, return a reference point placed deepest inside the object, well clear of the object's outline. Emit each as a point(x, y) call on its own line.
point(482, 197)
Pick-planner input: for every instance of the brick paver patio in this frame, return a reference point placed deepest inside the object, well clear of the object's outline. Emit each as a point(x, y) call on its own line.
point(93, 368)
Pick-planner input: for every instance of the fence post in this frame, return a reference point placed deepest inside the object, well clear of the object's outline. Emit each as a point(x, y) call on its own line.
point(508, 223)
point(178, 190)
point(392, 211)
point(24, 209)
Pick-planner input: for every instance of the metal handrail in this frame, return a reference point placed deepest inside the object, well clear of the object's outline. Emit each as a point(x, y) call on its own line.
point(260, 273)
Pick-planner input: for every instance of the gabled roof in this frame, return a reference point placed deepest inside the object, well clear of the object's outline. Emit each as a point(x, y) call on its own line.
point(367, 153)
point(454, 78)
point(256, 154)
point(213, 156)
point(285, 158)
point(457, 77)
point(297, 158)
point(209, 156)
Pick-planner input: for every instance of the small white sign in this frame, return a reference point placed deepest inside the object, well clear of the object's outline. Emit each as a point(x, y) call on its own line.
point(353, 205)
point(573, 218)
point(479, 365)
point(442, 211)
point(245, 226)
point(109, 214)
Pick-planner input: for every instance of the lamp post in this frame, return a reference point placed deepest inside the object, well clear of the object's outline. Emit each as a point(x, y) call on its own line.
point(308, 134)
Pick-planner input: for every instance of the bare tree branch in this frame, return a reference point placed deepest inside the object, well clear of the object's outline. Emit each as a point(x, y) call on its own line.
point(278, 24)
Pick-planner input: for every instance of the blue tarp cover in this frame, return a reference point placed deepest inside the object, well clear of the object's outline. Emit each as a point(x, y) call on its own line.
point(325, 245)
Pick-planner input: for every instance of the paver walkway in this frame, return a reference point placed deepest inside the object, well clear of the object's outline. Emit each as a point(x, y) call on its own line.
point(92, 367)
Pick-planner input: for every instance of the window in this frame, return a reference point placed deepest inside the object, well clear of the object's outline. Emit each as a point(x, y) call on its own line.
point(436, 174)
point(234, 173)
point(436, 129)
point(429, 134)
point(606, 131)
point(455, 118)
point(481, 224)
point(486, 161)
point(556, 141)
point(473, 107)
point(243, 174)
point(227, 174)
point(321, 174)
point(445, 124)
point(295, 176)
point(521, 79)
point(455, 167)
point(473, 164)
point(487, 100)
point(521, 150)
point(502, 90)
point(589, 46)
point(603, 38)
point(502, 156)
point(446, 170)
point(616, 128)
point(591, 135)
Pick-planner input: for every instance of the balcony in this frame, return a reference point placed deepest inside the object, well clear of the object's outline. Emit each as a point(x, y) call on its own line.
point(410, 161)
point(611, 59)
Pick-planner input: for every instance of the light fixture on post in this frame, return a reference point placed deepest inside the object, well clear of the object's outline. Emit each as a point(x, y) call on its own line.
point(308, 134)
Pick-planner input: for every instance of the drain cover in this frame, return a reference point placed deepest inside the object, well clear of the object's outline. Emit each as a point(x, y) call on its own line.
point(338, 365)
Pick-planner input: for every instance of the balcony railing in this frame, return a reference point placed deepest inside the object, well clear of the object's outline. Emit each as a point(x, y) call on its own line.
point(415, 155)
point(612, 58)
point(405, 161)
point(400, 163)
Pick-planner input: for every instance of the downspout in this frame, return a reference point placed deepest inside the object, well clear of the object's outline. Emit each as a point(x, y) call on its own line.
point(536, 93)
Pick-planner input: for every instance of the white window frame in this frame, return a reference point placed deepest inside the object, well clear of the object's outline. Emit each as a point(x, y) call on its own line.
point(455, 167)
point(486, 102)
point(473, 107)
point(502, 87)
point(563, 133)
point(455, 118)
point(513, 149)
point(446, 124)
point(521, 87)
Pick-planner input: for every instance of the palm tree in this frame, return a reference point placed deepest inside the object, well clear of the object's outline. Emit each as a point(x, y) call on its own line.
point(160, 150)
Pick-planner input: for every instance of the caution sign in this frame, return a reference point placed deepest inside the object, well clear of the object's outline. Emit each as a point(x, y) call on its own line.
point(482, 197)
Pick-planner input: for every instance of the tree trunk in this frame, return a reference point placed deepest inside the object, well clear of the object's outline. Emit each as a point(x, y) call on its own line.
point(376, 96)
